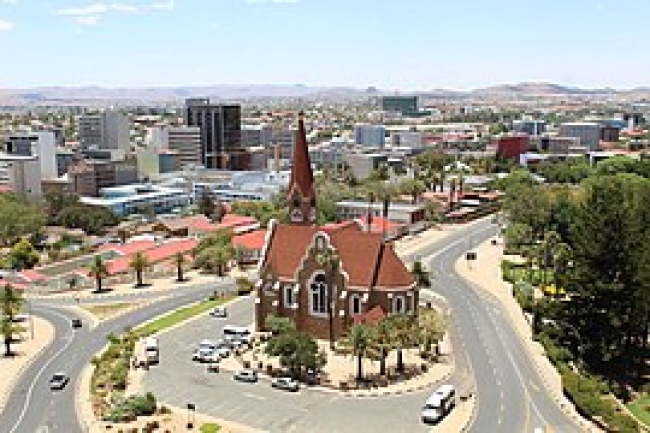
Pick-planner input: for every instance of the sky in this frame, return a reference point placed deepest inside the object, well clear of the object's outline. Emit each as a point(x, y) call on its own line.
point(389, 44)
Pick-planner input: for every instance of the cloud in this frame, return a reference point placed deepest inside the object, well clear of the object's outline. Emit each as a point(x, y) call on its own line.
point(6, 26)
point(92, 13)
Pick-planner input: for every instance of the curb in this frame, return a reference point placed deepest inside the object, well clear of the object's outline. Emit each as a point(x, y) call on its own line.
point(526, 341)
point(12, 383)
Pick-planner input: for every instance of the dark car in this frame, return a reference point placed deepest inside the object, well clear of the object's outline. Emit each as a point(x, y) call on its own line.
point(58, 381)
point(76, 323)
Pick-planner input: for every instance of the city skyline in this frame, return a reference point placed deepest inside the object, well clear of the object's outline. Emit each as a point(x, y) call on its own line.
point(408, 45)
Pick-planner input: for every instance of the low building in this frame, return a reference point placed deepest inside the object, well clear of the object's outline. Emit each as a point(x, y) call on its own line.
point(130, 199)
point(588, 132)
point(511, 146)
point(363, 164)
point(89, 177)
point(412, 216)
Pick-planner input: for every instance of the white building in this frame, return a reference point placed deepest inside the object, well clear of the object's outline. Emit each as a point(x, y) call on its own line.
point(370, 135)
point(41, 144)
point(411, 139)
point(21, 174)
point(130, 199)
point(107, 130)
point(185, 140)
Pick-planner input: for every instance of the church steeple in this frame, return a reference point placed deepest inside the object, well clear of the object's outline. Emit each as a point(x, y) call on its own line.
point(302, 193)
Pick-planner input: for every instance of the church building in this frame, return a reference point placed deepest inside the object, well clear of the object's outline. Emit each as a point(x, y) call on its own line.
point(326, 278)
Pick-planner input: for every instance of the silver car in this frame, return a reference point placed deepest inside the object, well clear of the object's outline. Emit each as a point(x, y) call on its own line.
point(286, 383)
point(246, 375)
point(58, 381)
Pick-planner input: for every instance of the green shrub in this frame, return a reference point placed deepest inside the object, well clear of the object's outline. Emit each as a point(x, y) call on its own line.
point(210, 428)
point(524, 294)
point(244, 286)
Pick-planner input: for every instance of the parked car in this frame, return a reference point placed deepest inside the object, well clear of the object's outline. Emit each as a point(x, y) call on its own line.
point(59, 381)
point(246, 375)
point(285, 383)
point(206, 354)
point(222, 351)
point(76, 323)
point(219, 312)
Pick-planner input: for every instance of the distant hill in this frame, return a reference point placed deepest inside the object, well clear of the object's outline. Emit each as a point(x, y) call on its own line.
point(94, 95)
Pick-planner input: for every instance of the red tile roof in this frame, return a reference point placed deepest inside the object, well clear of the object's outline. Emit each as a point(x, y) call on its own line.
point(368, 262)
point(370, 317)
point(4, 189)
point(252, 241)
point(154, 255)
point(380, 224)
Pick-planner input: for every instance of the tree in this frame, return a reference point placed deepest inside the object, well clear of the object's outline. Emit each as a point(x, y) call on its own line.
point(414, 188)
point(23, 255)
point(359, 342)
point(11, 301)
point(18, 218)
point(279, 325)
point(405, 337)
point(382, 172)
point(296, 350)
point(431, 328)
point(179, 261)
point(139, 263)
point(330, 261)
point(421, 275)
point(210, 206)
point(517, 235)
point(98, 270)
point(384, 343)
point(215, 258)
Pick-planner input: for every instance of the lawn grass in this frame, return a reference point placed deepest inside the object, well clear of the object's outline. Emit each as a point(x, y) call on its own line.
point(180, 315)
point(103, 311)
point(210, 428)
point(641, 409)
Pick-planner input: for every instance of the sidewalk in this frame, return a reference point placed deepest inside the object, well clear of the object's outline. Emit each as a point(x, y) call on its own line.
point(27, 350)
point(408, 244)
point(485, 274)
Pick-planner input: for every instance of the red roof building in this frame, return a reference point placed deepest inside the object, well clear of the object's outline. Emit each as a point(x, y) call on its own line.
point(323, 277)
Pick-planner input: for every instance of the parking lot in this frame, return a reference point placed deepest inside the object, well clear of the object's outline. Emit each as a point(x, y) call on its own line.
point(179, 381)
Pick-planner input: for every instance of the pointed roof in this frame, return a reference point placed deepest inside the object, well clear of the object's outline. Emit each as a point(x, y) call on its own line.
point(302, 177)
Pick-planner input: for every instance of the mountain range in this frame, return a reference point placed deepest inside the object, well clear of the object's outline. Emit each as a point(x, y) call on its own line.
point(95, 95)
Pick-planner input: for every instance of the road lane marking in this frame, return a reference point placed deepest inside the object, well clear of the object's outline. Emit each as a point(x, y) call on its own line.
point(30, 391)
point(256, 397)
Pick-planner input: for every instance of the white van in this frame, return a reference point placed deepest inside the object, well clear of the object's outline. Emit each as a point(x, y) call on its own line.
point(439, 404)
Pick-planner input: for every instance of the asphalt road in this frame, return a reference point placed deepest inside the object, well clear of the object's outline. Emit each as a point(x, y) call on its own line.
point(31, 406)
point(179, 381)
point(511, 395)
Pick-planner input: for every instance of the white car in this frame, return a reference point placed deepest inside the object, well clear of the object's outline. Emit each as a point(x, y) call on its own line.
point(219, 312)
point(206, 355)
point(285, 383)
point(59, 381)
point(246, 375)
point(222, 351)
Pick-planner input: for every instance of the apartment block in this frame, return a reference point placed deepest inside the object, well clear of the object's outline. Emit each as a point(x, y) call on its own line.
point(41, 145)
point(106, 130)
point(183, 140)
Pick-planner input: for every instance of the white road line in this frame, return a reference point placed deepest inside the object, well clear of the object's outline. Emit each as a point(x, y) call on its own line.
point(257, 397)
point(40, 372)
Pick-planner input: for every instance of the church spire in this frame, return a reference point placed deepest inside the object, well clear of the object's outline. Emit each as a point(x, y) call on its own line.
point(302, 193)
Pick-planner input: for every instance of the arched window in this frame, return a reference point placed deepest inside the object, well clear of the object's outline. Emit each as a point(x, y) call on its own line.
point(355, 305)
point(318, 292)
point(399, 305)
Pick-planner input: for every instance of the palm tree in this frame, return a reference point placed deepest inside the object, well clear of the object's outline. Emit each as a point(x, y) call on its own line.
point(11, 301)
point(98, 270)
point(404, 334)
point(431, 328)
point(139, 263)
point(179, 261)
point(359, 342)
point(330, 261)
point(384, 343)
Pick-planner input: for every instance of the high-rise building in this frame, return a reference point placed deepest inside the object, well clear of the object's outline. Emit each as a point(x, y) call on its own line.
point(220, 127)
point(41, 144)
point(405, 105)
point(256, 135)
point(530, 127)
point(588, 133)
point(370, 135)
point(21, 174)
point(184, 140)
point(106, 130)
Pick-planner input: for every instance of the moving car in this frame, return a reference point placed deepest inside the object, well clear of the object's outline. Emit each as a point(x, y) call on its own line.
point(219, 312)
point(439, 404)
point(285, 383)
point(206, 355)
point(76, 323)
point(58, 381)
point(246, 375)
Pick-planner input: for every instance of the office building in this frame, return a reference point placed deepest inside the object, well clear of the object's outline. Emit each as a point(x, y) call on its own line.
point(153, 162)
point(530, 127)
point(21, 174)
point(370, 135)
point(89, 177)
point(363, 164)
point(64, 158)
point(106, 130)
point(41, 145)
point(220, 127)
point(184, 140)
point(588, 133)
point(256, 135)
point(404, 105)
